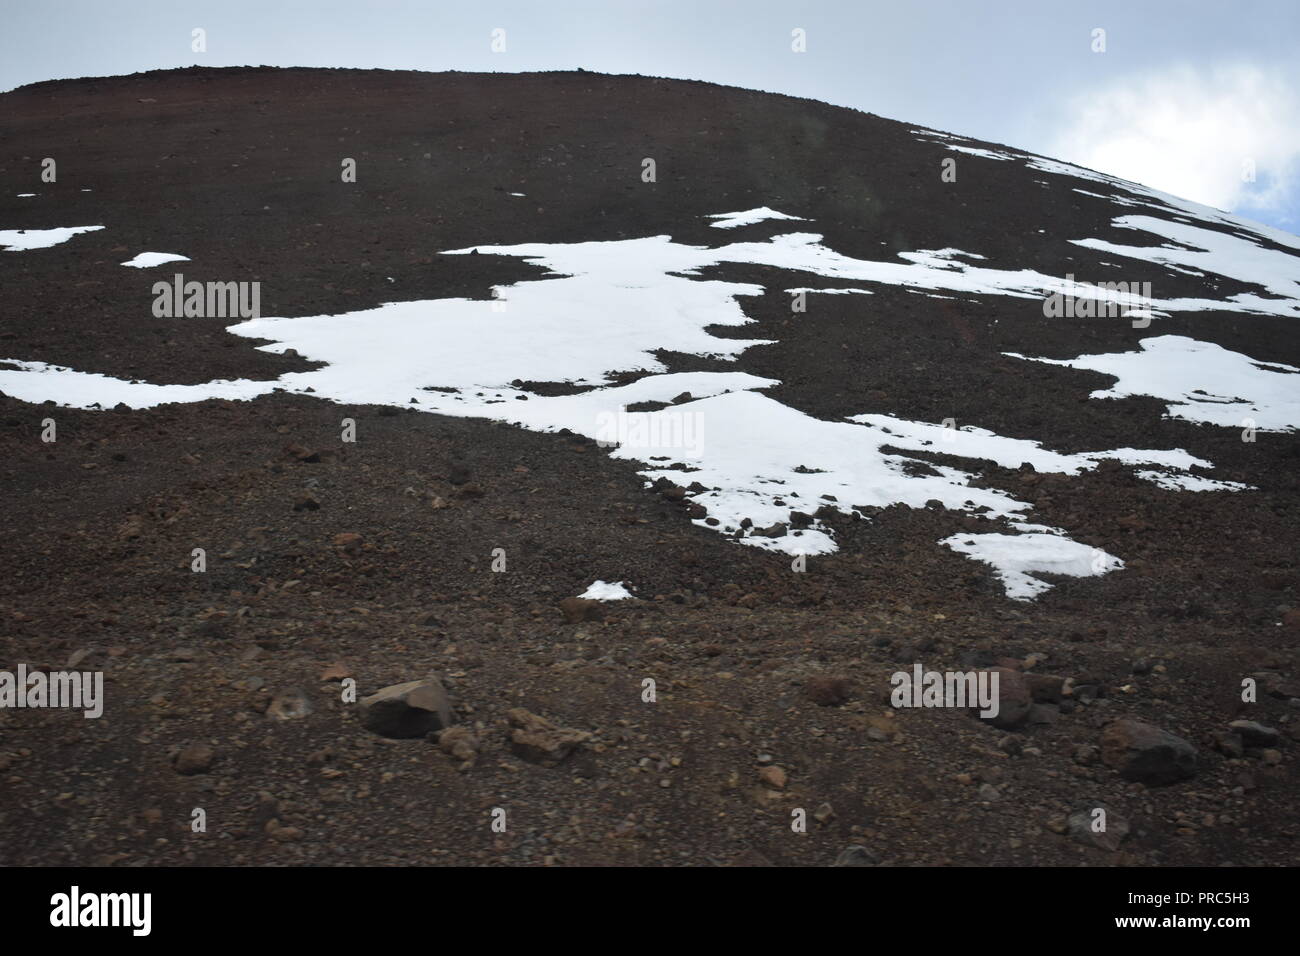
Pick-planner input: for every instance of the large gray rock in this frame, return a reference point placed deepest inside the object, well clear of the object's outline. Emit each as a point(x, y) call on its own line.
point(405, 710)
point(1146, 754)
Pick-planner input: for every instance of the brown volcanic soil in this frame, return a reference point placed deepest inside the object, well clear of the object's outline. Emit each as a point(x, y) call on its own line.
point(239, 170)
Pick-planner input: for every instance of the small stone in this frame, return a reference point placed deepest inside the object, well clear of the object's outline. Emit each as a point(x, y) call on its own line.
point(1228, 744)
point(826, 691)
point(195, 758)
point(291, 704)
point(461, 743)
point(1085, 755)
point(576, 610)
point(132, 527)
point(407, 710)
point(335, 672)
point(1083, 826)
point(856, 855)
point(1045, 688)
point(773, 776)
point(1254, 734)
point(348, 542)
point(1144, 753)
point(539, 741)
point(1013, 699)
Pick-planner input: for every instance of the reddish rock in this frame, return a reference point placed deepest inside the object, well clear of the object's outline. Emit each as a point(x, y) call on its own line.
point(348, 541)
point(407, 710)
point(1045, 688)
point(825, 691)
point(196, 758)
point(1014, 699)
point(1144, 753)
point(539, 741)
point(774, 777)
point(576, 610)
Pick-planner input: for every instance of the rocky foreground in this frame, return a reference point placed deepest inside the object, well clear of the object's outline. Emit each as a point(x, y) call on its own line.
point(225, 690)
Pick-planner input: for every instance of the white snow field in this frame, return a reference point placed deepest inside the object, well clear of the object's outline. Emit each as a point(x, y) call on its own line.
point(606, 307)
point(1203, 382)
point(20, 240)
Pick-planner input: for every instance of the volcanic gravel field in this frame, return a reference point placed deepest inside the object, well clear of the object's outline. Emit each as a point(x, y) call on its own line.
point(372, 560)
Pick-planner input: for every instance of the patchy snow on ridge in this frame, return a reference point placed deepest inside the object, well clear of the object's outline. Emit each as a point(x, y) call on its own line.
point(1181, 482)
point(1203, 382)
point(1015, 558)
point(20, 240)
point(37, 381)
point(1188, 248)
point(978, 443)
point(146, 260)
point(608, 307)
point(730, 220)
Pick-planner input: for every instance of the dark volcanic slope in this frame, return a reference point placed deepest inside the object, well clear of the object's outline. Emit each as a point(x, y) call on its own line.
point(239, 170)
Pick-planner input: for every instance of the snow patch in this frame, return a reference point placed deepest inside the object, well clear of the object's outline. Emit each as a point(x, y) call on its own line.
point(603, 591)
point(1203, 382)
point(730, 220)
point(146, 260)
point(1016, 558)
point(20, 240)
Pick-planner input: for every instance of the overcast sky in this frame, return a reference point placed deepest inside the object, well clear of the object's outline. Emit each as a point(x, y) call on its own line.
point(1184, 95)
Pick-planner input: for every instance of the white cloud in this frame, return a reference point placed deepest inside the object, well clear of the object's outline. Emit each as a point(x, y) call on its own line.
point(1189, 132)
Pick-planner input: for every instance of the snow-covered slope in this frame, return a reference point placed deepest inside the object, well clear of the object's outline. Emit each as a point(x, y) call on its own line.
point(608, 307)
